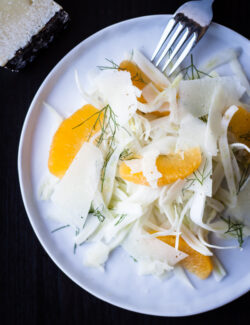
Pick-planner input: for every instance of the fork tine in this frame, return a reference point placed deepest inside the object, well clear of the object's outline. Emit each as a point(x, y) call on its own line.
point(172, 22)
point(170, 43)
point(177, 48)
point(184, 53)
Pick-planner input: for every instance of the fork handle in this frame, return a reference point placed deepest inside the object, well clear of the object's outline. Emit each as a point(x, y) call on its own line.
point(209, 2)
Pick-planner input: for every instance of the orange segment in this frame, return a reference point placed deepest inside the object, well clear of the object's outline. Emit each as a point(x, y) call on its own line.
point(139, 79)
point(160, 114)
point(153, 115)
point(136, 178)
point(172, 167)
point(240, 126)
point(68, 140)
point(195, 262)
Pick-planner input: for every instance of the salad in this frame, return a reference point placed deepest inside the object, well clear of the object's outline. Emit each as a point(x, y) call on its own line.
point(156, 165)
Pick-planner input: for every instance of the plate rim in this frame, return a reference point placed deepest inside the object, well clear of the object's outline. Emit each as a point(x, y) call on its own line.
point(42, 241)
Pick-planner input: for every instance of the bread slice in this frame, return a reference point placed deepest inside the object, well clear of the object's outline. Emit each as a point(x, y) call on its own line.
point(26, 26)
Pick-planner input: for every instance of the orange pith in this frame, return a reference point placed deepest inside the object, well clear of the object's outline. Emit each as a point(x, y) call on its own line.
point(68, 140)
point(172, 167)
point(240, 126)
point(195, 262)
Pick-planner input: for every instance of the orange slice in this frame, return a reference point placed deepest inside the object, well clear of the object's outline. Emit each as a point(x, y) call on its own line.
point(160, 114)
point(140, 80)
point(172, 167)
point(240, 126)
point(153, 115)
point(195, 262)
point(68, 140)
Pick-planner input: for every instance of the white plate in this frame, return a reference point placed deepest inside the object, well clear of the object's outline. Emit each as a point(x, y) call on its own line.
point(119, 285)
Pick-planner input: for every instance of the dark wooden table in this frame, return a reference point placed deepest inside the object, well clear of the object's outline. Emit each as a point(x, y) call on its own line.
point(32, 289)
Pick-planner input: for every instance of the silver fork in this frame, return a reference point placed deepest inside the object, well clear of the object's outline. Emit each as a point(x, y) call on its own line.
point(182, 33)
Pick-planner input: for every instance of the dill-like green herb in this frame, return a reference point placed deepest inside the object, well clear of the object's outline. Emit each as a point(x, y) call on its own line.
point(191, 72)
point(134, 259)
point(108, 126)
point(108, 123)
point(111, 124)
point(91, 210)
point(204, 118)
point(246, 136)
point(113, 66)
point(199, 176)
point(126, 154)
point(235, 229)
point(62, 227)
point(244, 178)
point(125, 130)
point(131, 55)
point(97, 213)
point(75, 245)
point(104, 167)
point(120, 219)
point(138, 77)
